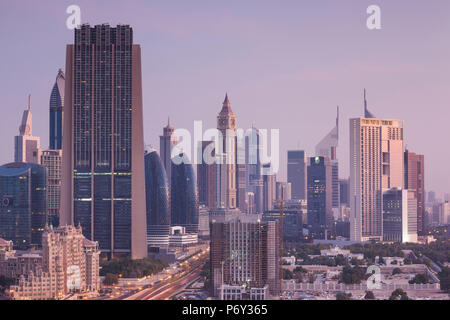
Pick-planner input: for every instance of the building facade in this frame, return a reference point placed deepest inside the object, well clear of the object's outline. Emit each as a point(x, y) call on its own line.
point(23, 211)
point(166, 143)
point(226, 124)
point(26, 146)
point(52, 161)
point(67, 264)
point(376, 164)
point(157, 201)
point(254, 179)
point(207, 175)
point(415, 181)
point(103, 147)
point(269, 189)
point(320, 196)
point(184, 196)
point(245, 251)
point(56, 111)
point(327, 147)
point(296, 174)
point(399, 215)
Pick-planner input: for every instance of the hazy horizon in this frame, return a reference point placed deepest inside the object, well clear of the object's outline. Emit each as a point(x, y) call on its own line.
point(285, 66)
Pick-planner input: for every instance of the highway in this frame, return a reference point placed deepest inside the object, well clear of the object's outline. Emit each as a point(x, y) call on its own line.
point(172, 284)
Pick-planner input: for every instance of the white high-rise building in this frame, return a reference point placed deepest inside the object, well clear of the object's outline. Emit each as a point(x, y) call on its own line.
point(26, 146)
point(376, 164)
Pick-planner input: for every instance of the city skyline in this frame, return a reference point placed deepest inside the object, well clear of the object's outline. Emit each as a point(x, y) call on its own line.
point(134, 181)
point(402, 79)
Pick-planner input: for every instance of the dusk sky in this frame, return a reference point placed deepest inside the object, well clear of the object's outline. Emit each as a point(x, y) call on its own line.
point(284, 64)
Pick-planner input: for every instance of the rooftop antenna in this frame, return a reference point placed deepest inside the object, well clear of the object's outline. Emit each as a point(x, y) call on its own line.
point(29, 102)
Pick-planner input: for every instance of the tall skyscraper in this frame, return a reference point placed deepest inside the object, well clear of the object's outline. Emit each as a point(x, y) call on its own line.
point(344, 192)
point(376, 164)
point(415, 182)
point(253, 175)
point(327, 148)
point(51, 160)
point(157, 201)
point(26, 146)
point(166, 143)
point(56, 111)
point(23, 212)
point(207, 176)
point(245, 255)
point(296, 173)
point(184, 196)
point(320, 194)
point(226, 123)
point(103, 180)
point(270, 192)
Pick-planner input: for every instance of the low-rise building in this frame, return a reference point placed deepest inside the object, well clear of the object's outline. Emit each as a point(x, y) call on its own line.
point(68, 263)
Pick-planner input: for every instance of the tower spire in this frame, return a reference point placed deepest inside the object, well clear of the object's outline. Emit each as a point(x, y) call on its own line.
point(367, 113)
point(337, 121)
point(226, 107)
point(226, 101)
point(29, 102)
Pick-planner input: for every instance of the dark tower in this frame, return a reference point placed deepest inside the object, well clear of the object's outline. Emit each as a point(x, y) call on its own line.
point(157, 200)
point(103, 179)
point(184, 196)
point(56, 111)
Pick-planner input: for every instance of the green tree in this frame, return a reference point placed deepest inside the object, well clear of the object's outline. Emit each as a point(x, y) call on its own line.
point(398, 294)
point(287, 274)
point(300, 269)
point(396, 271)
point(352, 275)
point(129, 268)
point(110, 279)
point(340, 260)
point(5, 283)
point(343, 296)
point(421, 278)
point(369, 295)
point(444, 277)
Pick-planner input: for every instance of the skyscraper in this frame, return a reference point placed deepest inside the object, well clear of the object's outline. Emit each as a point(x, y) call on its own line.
point(51, 160)
point(376, 164)
point(184, 196)
point(283, 191)
point(166, 142)
point(207, 176)
point(103, 147)
point(296, 173)
point(327, 148)
point(415, 182)
point(56, 111)
point(157, 201)
point(226, 123)
point(253, 175)
point(270, 192)
point(23, 212)
point(344, 192)
point(399, 215)
point(26, 146)
point(320, 214)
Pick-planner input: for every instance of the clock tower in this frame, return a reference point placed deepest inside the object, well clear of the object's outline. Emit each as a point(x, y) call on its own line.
point(226, 123)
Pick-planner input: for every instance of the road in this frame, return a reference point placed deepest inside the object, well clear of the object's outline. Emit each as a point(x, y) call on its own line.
point(172, 284)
